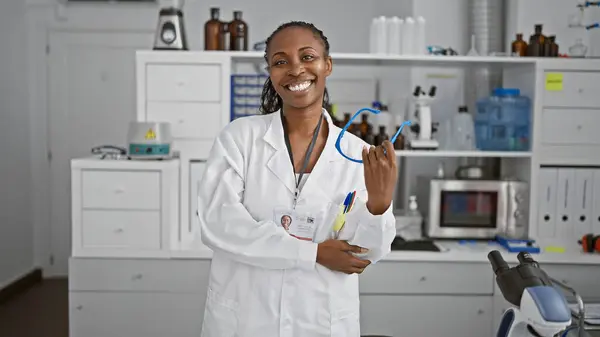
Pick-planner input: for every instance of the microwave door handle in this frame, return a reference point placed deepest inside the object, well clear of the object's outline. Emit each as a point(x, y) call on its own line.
point(503, 208)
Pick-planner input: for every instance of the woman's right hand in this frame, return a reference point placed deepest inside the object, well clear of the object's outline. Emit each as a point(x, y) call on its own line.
point(337, 255)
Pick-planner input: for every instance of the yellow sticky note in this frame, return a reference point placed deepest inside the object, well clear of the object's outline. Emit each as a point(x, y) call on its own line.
point(554, 82)
point(555, 249)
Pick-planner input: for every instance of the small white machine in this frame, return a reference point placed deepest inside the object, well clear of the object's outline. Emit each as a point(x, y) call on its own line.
point(149, 140)
point(422, 123)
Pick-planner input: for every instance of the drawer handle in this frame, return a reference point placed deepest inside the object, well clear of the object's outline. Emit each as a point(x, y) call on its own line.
point(181, 121)
point(119, 230)
point(579, 127)
point(180, 83)
point(79, 307)
point(480, 312)
point(119, 190)
point(137, 277)
point(580, 90)
point(423, 279)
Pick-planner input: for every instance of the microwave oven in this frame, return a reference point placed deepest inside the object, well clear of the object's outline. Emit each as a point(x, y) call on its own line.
point(473, 209)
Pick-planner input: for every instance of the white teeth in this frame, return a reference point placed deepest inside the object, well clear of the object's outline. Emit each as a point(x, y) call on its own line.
point(299, 86)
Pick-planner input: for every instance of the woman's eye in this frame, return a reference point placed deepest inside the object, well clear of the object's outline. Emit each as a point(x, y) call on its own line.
point(307, 57)
point(278, 62)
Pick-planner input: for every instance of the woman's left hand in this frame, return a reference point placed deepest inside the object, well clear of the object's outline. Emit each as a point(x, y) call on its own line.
point(381, 175)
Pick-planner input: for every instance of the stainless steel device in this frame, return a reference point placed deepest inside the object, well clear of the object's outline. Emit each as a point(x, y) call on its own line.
point(170, 31)
point(473, 209)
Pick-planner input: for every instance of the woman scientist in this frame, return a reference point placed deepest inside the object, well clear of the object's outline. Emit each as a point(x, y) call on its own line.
point(266, 281)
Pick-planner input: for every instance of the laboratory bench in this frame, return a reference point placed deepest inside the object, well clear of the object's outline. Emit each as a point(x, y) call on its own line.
point(447, 293)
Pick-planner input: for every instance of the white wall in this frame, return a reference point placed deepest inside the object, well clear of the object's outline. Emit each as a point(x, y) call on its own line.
point(16, 228)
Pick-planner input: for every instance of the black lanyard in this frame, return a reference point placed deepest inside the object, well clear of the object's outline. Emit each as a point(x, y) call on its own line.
point(309, 151)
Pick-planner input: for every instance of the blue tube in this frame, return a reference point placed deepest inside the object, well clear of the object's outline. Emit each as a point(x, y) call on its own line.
point(337, 142)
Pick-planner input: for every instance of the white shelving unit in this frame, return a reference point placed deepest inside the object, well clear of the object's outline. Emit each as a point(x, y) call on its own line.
point(192, 90)
point(204, 78)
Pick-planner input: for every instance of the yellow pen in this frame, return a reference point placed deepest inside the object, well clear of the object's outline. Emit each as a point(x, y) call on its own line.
point(340, 219)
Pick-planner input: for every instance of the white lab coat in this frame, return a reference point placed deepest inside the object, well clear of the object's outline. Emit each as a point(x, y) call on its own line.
point(264, 282)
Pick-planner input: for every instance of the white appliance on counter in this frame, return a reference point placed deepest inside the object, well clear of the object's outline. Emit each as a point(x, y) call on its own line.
point(473, 208)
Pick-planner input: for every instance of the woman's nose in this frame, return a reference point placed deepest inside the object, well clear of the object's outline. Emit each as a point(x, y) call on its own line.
point(296, 69)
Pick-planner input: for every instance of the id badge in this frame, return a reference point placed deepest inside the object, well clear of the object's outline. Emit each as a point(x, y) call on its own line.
point(299, 224)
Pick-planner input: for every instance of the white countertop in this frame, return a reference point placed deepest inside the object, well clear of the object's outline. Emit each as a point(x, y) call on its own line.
point(452, 252)
point(455, 252)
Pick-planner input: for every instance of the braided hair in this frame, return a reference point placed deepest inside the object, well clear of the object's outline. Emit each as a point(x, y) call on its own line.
point(270, 101)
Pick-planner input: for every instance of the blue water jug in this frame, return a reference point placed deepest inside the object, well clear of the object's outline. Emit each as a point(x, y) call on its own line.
point(502, 122)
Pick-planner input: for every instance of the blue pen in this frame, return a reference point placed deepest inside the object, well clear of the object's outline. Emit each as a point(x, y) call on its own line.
point(347, 202)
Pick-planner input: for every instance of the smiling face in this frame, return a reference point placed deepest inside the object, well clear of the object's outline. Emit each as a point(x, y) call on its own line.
point(298, 67)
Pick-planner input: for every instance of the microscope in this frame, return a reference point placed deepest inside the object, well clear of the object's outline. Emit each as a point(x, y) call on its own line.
point(422, 124)
point(540, 309)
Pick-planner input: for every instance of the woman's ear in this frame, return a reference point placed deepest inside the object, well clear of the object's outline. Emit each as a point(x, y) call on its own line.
point(328, 66)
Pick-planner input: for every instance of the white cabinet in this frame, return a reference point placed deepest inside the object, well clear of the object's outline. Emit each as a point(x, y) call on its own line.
point(427, 299)
point(137, 298)
point(426, 315)
point(124, 208)
point(196, 172)
point(568, 115)
point(191, 91)
point(576, 89)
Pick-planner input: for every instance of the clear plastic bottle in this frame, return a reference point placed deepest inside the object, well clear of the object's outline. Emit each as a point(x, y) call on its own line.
point(393, 35)
point(408, 36)
point(420, 46)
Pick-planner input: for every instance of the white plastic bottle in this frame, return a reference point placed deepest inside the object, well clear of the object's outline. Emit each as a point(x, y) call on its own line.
point(400, 36)
point(420, 47)
point(413, 207)
point(373, 36)
point(393, 35)
point(381, 35)
point(408, 36)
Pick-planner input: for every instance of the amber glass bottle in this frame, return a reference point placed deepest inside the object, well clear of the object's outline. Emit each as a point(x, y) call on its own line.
point(238, 32)
point(553, 46)
point(399, 143)
point(364, 125)
point(214, 32)
point(519, 46)
point(381, 136)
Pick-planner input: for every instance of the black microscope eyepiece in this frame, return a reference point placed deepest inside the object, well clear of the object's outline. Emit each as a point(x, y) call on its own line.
point(525, 258)
point(498, 263)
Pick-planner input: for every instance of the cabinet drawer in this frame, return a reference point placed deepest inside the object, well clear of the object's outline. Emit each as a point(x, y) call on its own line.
point(582, 278)
point(121, 229)
point(188, 119)
point(407, 316)
point(143, 275)
point(185, 82)
point(135, 315)
point(427, 278)
point(579, 90)
point(570, 127)
point(138, 190)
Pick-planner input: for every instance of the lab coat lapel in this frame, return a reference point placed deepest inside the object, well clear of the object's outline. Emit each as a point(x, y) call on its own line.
point(319, 183)
point(320, 179)
point(279, 163)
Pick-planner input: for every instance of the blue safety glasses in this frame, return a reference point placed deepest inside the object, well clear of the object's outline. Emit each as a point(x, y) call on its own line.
point(337, 142)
